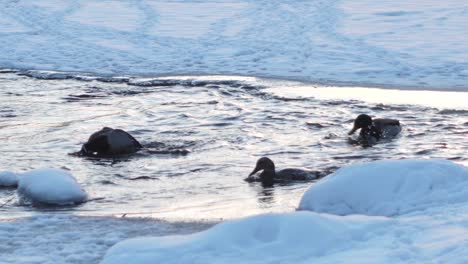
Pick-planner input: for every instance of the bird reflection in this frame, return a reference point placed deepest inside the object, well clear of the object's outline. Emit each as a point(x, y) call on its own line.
point(265, 195)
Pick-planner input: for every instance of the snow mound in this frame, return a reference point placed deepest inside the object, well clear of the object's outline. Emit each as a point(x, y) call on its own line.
point(8, 179)
point(270, 238)
point(50, 186)
point(388, 188)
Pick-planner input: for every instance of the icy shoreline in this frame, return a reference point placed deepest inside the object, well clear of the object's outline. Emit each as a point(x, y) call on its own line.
point(54, 74)
point(433, 229)
point(403, 44)
point(68, 238)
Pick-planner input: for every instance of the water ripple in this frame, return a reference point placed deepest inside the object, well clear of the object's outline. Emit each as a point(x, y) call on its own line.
point(202, 137)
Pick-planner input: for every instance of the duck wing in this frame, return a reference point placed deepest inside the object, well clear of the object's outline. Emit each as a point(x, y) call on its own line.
point(388, 127)
point(122, 142)
point(296, 175)
point(383, 122)
point(130, 137)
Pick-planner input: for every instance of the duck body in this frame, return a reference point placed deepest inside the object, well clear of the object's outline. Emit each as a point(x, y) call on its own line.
point(387, 128)
point(375, 129)
point(269, 175)
point(108, 142)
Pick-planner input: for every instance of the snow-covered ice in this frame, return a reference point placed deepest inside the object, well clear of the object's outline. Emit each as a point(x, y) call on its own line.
point(391, 43)
point(269, 238)
point(50, 186)
point(46, 238)
point(8, 179)
point(430, 227)
point(388, 187)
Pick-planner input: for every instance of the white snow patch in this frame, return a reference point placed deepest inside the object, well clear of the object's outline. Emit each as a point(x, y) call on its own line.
point(8, 179)
point(50, 186)
point(364, 42)
point(440, 236)
point(51, 238)
point(259, 239)
point(111, 44)
point(409, 26)
point(388, 188)
point(115, 15)
point(192, 19)
point(437, 99)
point(11, 26)
point(52, 5)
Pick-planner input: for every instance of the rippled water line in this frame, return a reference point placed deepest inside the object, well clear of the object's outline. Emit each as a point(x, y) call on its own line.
point(226, 123)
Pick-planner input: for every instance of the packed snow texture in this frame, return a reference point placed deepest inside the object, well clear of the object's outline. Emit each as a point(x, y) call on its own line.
point(388, 187)
point(8, 179)
point(52, 238)
point(50, 186)
point(431, 193)
point(257, 239)
point(404, 43)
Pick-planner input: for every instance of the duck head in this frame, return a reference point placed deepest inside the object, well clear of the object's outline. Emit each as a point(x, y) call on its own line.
point(97, 145)
point(362, 121)
point(266, 165)
point(97, 142)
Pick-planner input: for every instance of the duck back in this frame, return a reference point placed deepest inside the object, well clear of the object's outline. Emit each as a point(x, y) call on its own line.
point(387, 127)
point(295, 175)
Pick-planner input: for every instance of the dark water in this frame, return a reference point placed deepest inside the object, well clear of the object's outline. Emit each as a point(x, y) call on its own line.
point(226, 123)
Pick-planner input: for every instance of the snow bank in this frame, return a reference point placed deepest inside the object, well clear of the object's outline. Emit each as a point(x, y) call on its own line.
point(52, 238)
point(263, 239)
point(50, 186)
point(435, 191)
point(8, 179)
point(388, 187)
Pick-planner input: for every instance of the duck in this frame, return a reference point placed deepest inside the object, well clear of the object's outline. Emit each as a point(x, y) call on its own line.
point(269, 175)
point(109, 142)
point(375, 129)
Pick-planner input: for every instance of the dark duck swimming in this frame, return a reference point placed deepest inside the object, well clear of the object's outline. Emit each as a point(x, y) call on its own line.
point(110, 142)
point(269, 175)
point(373, 130)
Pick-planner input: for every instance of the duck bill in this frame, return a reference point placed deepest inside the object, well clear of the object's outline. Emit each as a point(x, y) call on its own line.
point(254, 171)
point(353, 130)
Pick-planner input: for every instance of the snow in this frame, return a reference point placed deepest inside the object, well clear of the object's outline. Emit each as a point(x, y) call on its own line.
point(390, 43)
point(405, 211)
point(50, 186)
point(8, 179)
point(399, 211)
point(269, 238)
point(192, 19)
point(388, 188)
point(122, 16)
point(437, 99)
point(50, 238)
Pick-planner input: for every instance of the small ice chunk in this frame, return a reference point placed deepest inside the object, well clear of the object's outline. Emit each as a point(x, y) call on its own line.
point(8, 179)
point(50, 186)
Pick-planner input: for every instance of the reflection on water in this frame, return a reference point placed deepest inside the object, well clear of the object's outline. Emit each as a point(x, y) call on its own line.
point(265, 195)
point(202, 136)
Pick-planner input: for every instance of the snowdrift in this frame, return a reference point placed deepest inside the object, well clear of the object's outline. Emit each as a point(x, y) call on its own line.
point(435, 191)
point(269, 238)
point(388, 188)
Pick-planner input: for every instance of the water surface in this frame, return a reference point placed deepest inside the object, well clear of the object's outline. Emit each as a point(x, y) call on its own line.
point(226, 123)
